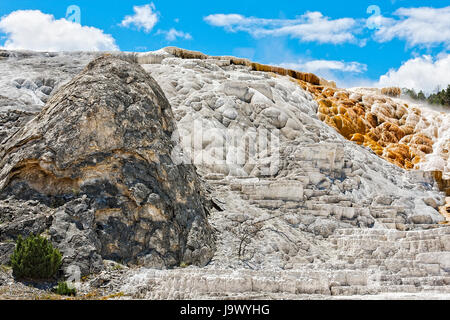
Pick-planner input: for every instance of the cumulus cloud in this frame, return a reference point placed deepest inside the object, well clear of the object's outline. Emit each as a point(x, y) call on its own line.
point(422, 73)
point(173, 34)
point(145, 17)
point(309, 27)
point(418, 26)
point(230, 21)
point(323, 65)
point(34, 30)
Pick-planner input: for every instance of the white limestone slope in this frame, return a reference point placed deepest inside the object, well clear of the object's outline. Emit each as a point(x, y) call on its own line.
point(321, 184)
point(227, 98)
point(27, 78)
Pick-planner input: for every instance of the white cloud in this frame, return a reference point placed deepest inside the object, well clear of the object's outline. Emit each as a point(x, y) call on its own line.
point(173, 34)
point(418, 26)
point(34, 30)
point(324, 65)
point(145, 17)
point(421, 73)
point(309, 27)
point(231, 20)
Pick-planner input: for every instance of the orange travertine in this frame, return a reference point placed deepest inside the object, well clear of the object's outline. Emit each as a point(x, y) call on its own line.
point(375, 121)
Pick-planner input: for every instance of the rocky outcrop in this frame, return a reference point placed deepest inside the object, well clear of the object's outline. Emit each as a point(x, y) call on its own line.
point(99, 152)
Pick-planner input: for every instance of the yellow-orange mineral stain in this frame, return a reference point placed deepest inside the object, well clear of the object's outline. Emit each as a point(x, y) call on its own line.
point(377, 122)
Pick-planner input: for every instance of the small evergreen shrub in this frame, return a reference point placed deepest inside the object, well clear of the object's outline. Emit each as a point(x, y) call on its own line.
point(35, 258)
point(63, 289)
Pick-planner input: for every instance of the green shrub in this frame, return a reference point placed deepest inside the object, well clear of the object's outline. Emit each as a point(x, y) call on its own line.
point(35, 258)
point(63, 289)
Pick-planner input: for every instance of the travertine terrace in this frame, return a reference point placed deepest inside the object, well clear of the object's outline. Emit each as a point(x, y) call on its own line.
point(313, 191)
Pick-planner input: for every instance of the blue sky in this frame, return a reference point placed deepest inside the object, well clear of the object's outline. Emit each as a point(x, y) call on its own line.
point(339, 40)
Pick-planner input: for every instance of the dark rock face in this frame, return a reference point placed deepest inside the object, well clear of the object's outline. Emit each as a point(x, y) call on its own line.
point(20, 218)
point(74, 230)
point(99, 152)
point(11, 121)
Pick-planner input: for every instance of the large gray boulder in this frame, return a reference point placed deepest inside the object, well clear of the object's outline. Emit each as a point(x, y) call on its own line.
point(105, 138)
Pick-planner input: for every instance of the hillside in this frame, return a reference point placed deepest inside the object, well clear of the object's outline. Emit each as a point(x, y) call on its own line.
point(311, 190)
